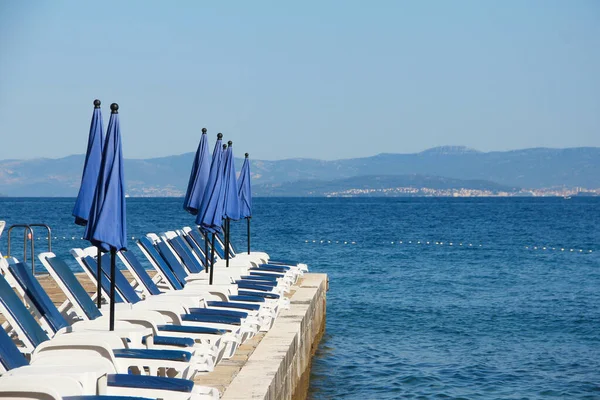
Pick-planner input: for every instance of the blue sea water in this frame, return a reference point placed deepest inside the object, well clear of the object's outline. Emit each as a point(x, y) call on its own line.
point(429, 298)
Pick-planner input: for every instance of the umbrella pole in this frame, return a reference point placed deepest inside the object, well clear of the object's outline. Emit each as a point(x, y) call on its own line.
point(113, 255)
point(206, 266)
point(248, 220)
point(212, 260)
point(99, 286)
point(227, 242)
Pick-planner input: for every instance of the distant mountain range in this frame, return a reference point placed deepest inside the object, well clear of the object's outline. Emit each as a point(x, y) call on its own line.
point(441, 167)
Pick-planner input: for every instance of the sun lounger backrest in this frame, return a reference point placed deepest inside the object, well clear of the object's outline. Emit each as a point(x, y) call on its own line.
point(38, 296)
point(77, 290)
point(172, 261)
point(160, 263)
point(219, 247)
point(199, 239)
point(121, 282)
point(10, 356)
point(196, 248)
point(222, 245)
point(141, 272)
point(92, 267)
point(16, 310)
point(184, 252)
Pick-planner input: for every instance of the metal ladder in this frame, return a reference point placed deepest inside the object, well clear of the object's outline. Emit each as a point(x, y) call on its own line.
point(28, 235)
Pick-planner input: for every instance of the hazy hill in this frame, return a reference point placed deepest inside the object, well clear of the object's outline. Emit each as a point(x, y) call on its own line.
point(168, 176)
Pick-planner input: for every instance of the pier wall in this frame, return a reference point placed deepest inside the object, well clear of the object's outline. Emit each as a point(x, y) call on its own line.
point(279, 367)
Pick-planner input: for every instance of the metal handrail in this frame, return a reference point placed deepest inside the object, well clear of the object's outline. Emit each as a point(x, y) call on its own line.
point(49, 234)
point(25, 238)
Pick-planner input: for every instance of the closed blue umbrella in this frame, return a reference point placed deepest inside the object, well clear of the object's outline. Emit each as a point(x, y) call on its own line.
point(245, 195)
point(231, 206)
point(91, 167)
point(198, 177)
point(106, 225)
point(89, 179)
point(210, 213)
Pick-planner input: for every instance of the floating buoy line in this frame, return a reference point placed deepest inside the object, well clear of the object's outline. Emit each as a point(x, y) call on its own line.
point(560, 249)
point(450, 244)
point(70, 238)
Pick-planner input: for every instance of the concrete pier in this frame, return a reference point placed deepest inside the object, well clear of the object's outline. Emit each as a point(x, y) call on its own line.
point(279, 366)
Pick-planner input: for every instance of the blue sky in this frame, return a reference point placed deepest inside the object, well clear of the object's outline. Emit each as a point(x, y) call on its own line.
point(319, 79)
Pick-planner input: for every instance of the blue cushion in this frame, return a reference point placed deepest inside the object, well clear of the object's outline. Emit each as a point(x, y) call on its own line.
point(211, 311)
point(150, 382)
point(141, 272)
point(196, 247)
point(92, 266)
point(251, 299)
point(10, 356)
point(15, 307)
point(172, 261)
point(217, 319)
point(151, 354)
point(267, 270)
point(259, 294)
point(271, 267)
point(191, 329)
point(186, 255)
point(267, 284)
point(254, 286)
point(258, 272)
point(160, 262)
point(38, 296)
point(272, 278)
point(66, 275)
point(240, 306)
point(171, 341)
point(121, 283)
point(105, 397)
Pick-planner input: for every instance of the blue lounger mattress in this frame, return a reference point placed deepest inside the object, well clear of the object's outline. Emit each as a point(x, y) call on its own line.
point(218, 319)
point(227, 313)
point(171, 341)
point(253, 286)
point(169, 355)
point(150, 382)
point(191, 329)
point(241, 306)
point(257, 294)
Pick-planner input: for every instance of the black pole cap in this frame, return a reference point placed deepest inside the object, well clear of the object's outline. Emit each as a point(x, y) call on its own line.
point(219, 136)
point(114, 107)
point(203, 131)
point(224, 146)
point(229, 143)
point(246, 155)
point(97, 103)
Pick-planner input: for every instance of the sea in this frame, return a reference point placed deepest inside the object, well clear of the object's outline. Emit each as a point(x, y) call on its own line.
point(430, 298)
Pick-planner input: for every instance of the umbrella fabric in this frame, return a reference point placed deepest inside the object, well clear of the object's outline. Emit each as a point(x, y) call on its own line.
point(245, 190)
point(231, 206)
point(91, 167)
point(106, 226)
point(198, 177)
point(210, 213)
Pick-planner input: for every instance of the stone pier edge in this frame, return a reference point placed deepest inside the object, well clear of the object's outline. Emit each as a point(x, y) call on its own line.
point(280, 365)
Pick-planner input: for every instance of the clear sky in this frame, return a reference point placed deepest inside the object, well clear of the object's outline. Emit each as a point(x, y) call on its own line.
point(320, 79)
